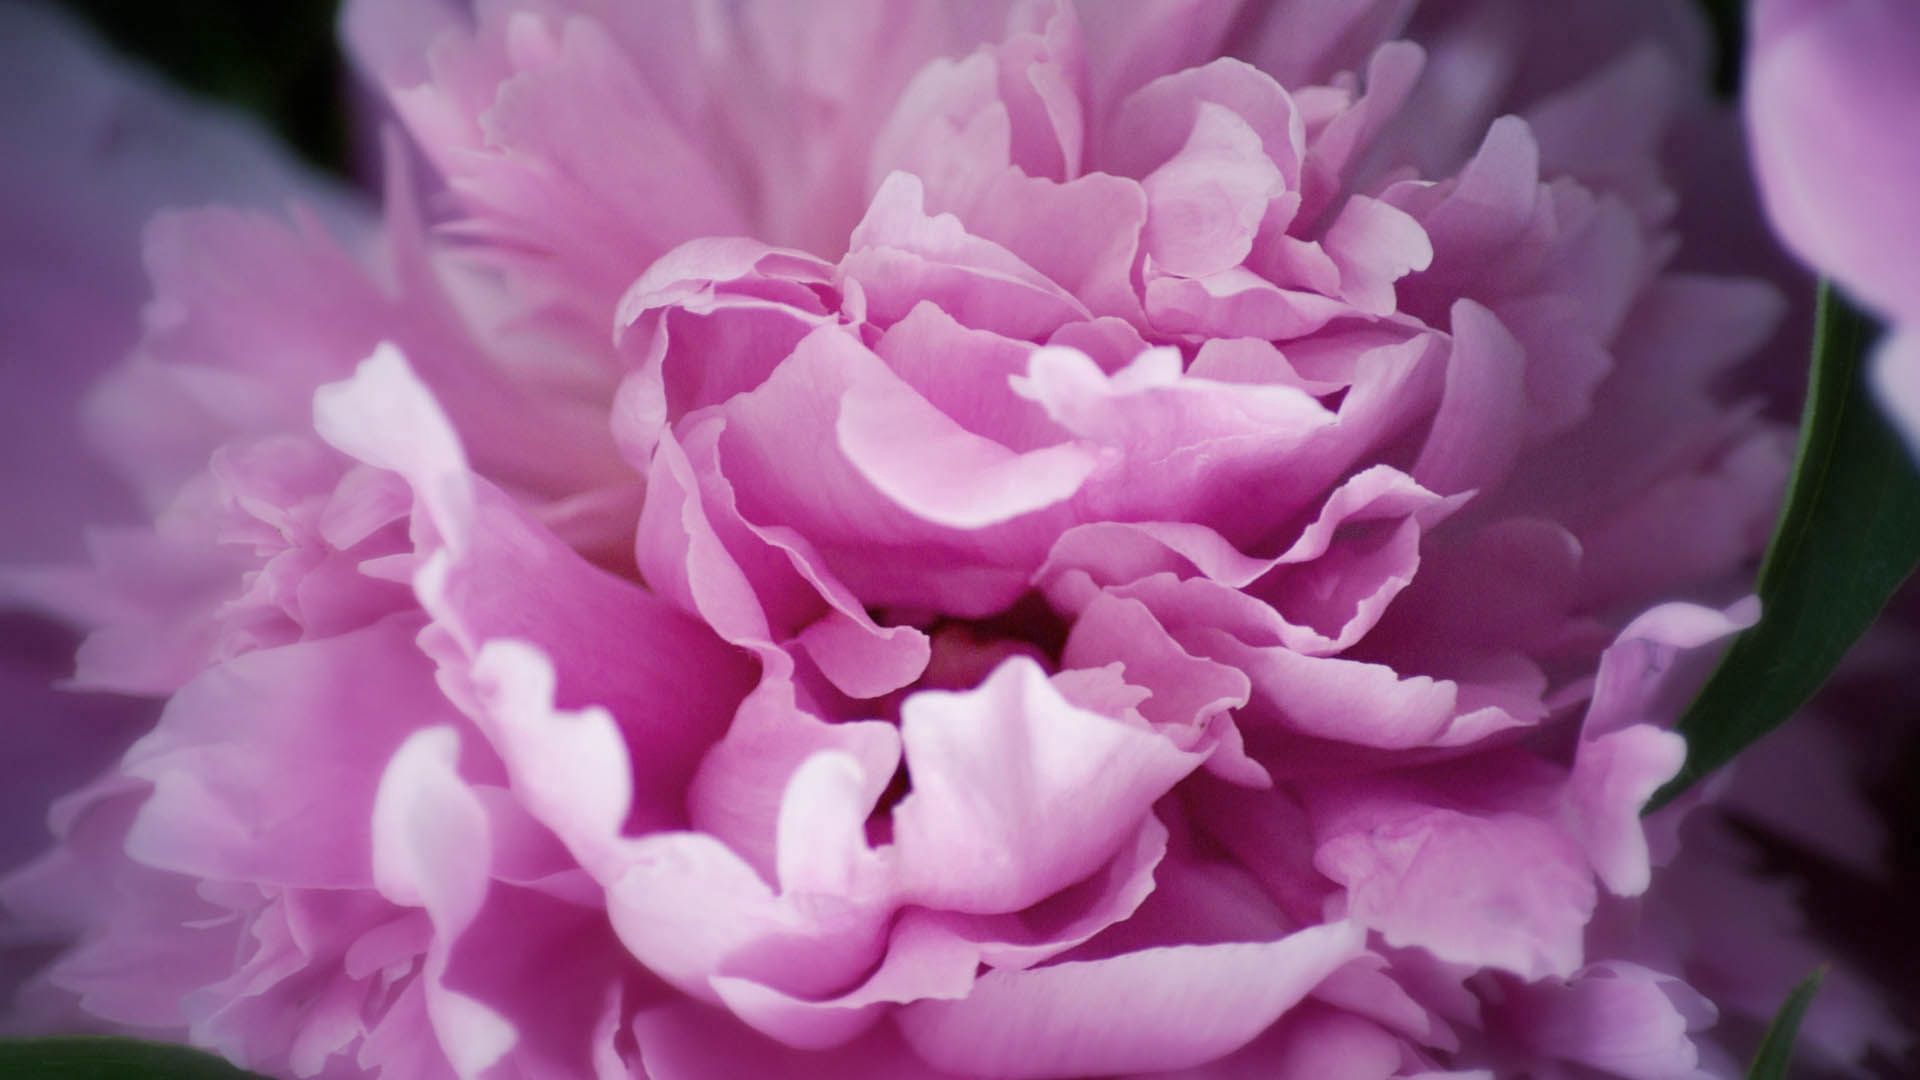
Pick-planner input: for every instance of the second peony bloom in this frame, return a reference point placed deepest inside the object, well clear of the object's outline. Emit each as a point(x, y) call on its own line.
point(926, 540)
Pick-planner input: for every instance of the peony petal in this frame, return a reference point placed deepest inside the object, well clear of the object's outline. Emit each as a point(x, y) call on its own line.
point(923, 962)
point(1206, 203)
point(901, 255)
point(689, 1042)
point(1156, 1009)
point(1617, 1017)
point(94, 149)
point(1614, 776)
point(1152, 123)
point(987, 827)
point(430, 849)
point(1476, 433)
point(933, 468)
point(1374, 245)
point(1311, 1042)
point(613, 645)
point(1825, 83)
point(256, 763)
point(1503, 890)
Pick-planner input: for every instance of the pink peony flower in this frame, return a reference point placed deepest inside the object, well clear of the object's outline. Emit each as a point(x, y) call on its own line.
point(914, 539)
point(1828, 85)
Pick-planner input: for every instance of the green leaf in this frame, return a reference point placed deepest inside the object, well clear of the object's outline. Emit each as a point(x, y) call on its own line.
point(1849, 535)
point(88, 1058)
point(1776, 1050)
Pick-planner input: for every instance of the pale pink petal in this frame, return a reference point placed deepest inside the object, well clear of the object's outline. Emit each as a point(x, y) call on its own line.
point(1155, 120)
point(923, 962)
point(232, 802)
point(614, 645)
point(933, 468)
point(684, 1041)
point(1155, 1009)
point(1613, 778)
point(1503, 890)
point(430, 850)
point(1237, 303)
point(901, 255)
point(694, 912)
point(1374, 245)
point(1111, 897)
point(1048, 769)
point(1083, 235)
point(1205, 203)
point(1186, 690)
point(1311, 1042)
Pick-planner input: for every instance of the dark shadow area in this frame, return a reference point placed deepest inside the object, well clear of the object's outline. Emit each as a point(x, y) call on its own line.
point(279, 61)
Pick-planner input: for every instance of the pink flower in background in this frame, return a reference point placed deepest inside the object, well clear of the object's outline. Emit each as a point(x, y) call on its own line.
point(905, 539)
point(1831, 91)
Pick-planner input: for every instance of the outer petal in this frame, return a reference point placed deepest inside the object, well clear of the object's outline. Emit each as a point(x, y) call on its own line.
point(1617, 1017)
point(257, 764)
point(1154, 1009)
point(1311, 1042)
point(93, 150)
point(1828, 86)
point(1504, 890)
point(691, 1042)
point(491, 573)
point(431, 850)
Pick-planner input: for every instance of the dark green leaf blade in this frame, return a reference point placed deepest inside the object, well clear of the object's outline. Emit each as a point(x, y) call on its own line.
point(1776, 1050)
point(89, 1058)
point(1847, 538)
